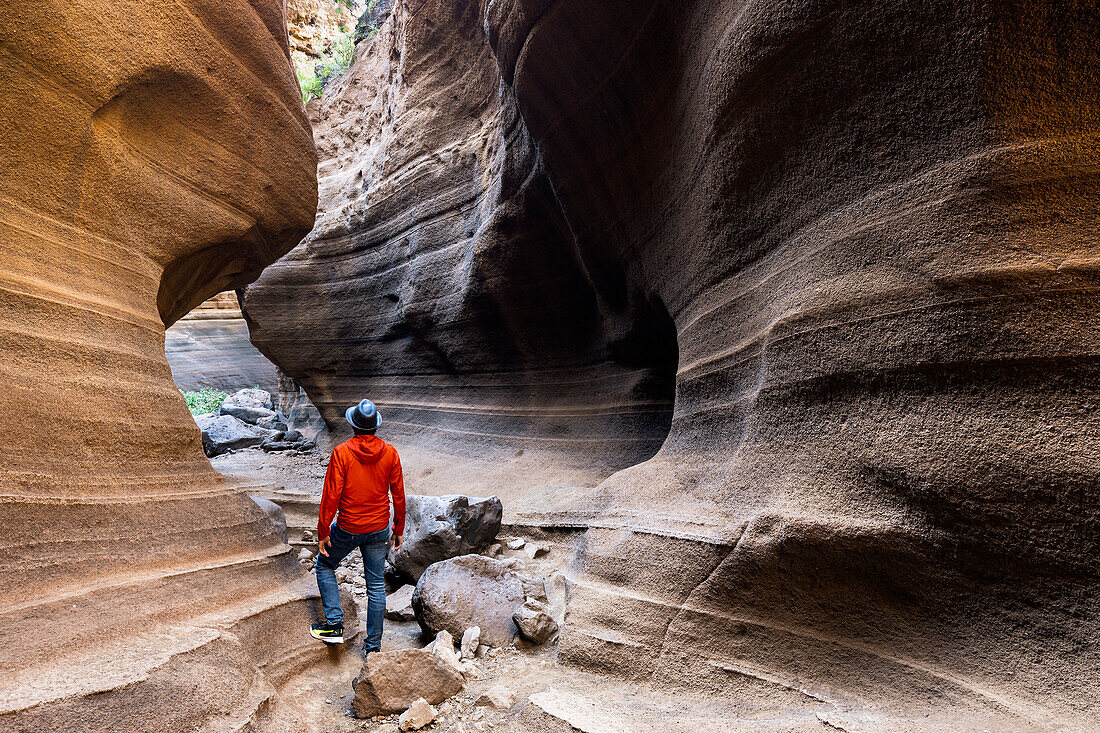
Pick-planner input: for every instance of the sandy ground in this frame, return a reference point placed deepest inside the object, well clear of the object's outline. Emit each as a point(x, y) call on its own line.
point(550, 698)
point(298, 472)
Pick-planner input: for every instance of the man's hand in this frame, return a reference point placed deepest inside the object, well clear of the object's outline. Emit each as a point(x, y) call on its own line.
point(395, 541)
point(323, 545)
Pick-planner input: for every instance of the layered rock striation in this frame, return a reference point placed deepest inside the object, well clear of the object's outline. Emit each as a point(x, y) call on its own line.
point(443, 281)
point(210, 348)
point(143, 173)
point(874, 228)
point(862, 236)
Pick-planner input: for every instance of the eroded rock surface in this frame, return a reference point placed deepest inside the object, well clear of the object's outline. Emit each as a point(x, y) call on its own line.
point(143, 172)
point(441, 527)
point(466, 591)
point(442, 266)
point(866, 232)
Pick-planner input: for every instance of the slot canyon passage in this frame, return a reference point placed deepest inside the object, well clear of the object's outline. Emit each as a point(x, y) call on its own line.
point(776, 320)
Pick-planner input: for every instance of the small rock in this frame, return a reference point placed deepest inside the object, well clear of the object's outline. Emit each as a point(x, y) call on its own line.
point(399, 604)
point(516, 544)
point(534, 622)
point(308, 536)
point(531, 550)
point(482, 651)
point(444, 648)
point(304, 555)
point(419, 714)
point(533, 588)
point(497, 697)
point(471, 639)
point(443, 640)
point(494, 549)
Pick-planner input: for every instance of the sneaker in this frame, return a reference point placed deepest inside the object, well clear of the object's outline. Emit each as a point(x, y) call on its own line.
point(328, 633)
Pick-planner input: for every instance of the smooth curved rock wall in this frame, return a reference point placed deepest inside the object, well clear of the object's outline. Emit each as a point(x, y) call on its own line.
point(873, 227)
point(442, 281)
point(143, 173)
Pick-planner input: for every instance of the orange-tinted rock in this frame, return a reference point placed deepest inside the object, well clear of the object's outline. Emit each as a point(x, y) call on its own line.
point(153, 154)
point(313, 24)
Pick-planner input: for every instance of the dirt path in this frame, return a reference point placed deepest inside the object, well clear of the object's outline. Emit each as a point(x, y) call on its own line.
point(549, 697)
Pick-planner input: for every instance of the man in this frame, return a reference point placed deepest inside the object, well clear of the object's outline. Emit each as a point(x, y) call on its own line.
point(362, 474)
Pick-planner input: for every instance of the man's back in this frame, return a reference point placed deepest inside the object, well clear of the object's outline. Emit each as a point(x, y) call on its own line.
point(358, 483)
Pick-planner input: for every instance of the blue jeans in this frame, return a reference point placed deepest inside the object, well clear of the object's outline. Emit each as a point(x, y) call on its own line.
point(374, 546)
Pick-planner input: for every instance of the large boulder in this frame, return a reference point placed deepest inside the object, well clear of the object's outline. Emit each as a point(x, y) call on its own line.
point(399, 604)
point(259, 399)
point(254, 406)
point(441, 527)
point(390, 682)
point(466, 591)
point(223, 433)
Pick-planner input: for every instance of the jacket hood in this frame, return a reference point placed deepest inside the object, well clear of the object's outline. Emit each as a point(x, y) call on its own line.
point(367, 449)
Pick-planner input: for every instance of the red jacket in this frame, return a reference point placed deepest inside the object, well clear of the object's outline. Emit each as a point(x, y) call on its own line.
point(362, 474)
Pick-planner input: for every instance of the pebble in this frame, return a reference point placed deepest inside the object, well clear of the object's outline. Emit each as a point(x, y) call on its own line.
point(471, 639)
point(419, 714)
point(516, 544)
point(498, 697)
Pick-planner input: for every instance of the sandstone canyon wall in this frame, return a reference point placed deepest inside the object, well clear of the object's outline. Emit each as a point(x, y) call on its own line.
point(442, 280)
point(143, 172)
point(864, 239)
point(210, 348)
point(313, 24)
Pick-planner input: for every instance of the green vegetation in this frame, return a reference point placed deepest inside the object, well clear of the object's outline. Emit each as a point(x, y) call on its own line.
point(370, 20)
point(204, 401)
point(313, 75)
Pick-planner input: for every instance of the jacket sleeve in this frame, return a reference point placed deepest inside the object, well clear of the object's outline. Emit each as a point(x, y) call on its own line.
point(397, 489)
point(330, 496)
